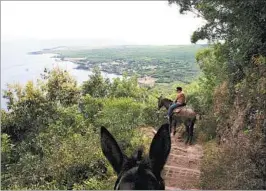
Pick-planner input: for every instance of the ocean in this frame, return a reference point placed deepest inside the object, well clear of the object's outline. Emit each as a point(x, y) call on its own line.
point(17, 66)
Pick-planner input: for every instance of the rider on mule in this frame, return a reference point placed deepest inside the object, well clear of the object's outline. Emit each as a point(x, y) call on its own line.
point(179, 101)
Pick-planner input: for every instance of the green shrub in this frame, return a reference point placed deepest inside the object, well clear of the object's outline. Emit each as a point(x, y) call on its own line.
point(50, 137)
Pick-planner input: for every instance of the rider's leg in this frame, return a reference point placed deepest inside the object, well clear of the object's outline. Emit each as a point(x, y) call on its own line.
point(171, 109)
point(179, 104)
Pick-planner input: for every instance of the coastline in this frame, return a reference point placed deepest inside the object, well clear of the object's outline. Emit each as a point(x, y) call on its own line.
point(165, 64)
point(160, 64)
point(27, 67)
point(82, 63)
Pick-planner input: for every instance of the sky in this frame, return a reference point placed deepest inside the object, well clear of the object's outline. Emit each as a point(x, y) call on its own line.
point(135, 22)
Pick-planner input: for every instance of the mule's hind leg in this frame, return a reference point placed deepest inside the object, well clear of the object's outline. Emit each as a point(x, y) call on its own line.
point(170, 125)
point(187, 131)
point(191, 130)
point(174, 127)
point(190, 136)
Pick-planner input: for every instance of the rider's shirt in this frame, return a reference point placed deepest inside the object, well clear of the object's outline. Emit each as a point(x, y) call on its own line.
point(180, 98)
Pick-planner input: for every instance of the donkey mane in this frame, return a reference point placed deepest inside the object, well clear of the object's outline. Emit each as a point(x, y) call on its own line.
point(136, 159)
point(166, 99)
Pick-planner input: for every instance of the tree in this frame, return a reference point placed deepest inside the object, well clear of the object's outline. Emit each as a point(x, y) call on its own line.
point(61, 86)
point(236, 67)
point(241, 24)
point(96, 86)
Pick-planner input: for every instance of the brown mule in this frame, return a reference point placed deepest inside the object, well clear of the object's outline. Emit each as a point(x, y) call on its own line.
point(184, 111)
point(180, 115)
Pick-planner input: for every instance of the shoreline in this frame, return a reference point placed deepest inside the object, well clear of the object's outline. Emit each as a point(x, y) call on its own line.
point(162, 68)
point(144, 81)
point(80, 66)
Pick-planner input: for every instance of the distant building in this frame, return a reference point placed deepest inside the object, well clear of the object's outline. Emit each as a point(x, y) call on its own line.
point(146, 81)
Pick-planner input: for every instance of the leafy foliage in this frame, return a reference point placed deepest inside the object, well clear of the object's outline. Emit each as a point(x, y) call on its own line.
point(61, 87)
point(96, 86)
point(50, 132)
point(234, 74)
point(241, 24)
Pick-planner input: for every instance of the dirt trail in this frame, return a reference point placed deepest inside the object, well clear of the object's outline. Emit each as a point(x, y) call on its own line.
point(182, 170)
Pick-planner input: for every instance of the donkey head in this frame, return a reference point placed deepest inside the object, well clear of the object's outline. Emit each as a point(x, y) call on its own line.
point(138, 172)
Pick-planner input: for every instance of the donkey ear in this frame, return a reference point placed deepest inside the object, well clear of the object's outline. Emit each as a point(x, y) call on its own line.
point(111, 150)
point(160, 148)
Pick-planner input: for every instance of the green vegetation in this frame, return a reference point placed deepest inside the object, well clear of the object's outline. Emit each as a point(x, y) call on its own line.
point(50, 134)
point(231, 93)
point(165, 63)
